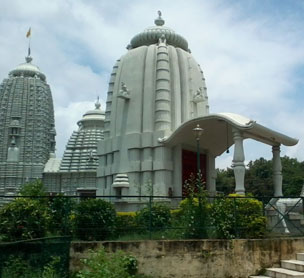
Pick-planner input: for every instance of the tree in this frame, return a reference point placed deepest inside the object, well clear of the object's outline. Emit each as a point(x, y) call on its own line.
point(35, 188)
point(293, 176)
point(225, 181)
point(259, 177)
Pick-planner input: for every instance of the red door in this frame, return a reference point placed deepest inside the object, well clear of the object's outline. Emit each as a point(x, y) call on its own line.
point(189, 166)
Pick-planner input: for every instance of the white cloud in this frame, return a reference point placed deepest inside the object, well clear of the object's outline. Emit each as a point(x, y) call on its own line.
point(249, 60)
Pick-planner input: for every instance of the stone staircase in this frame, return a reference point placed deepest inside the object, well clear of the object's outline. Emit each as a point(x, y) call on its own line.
point(288, 269)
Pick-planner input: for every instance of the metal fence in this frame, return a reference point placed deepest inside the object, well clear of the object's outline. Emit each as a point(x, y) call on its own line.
point(49, 223)
point(159, 217)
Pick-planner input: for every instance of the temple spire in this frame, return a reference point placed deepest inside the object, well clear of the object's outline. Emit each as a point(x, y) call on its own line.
point(97, 103)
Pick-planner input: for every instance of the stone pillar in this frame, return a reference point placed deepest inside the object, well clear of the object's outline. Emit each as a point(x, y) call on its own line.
point(238, 162)
point(211, 175)
point(277, 171)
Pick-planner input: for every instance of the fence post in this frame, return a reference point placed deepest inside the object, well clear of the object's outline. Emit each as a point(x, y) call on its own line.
point(150, 217)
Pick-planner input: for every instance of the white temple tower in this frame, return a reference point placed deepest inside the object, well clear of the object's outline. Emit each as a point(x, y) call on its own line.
point(156, 98)
point(155, 87)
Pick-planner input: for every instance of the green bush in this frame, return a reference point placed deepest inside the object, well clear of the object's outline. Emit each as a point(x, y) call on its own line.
point(126, 223)
point(35, 188)
point(23, 218)
point(192, 217)
point(16, 267)
point(108, 265)
point(60, 210)
point(94, 219)
point(155, 218)
point(238, 217)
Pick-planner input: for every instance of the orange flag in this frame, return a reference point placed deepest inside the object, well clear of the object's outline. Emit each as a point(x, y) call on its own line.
point(28, 34)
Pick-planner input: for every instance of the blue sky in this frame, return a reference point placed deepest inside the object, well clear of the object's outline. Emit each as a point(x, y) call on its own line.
point(251, 52)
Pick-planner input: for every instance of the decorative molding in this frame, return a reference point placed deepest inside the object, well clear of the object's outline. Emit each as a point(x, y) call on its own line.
point(124, 92)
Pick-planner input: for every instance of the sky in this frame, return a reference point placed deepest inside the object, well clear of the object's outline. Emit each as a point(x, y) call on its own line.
point(251, 52)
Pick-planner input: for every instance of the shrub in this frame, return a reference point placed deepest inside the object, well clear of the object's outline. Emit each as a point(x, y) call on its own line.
point(16, 267)
point(193, 217)
point(60, 209)
point(23, 219)
point(35, 188)
point(126, 223)
point(238, 217)
point(108, 265)
point(155, 218)
point(95, 219)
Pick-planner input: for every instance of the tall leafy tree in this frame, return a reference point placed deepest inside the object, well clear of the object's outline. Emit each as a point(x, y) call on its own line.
point(259, 177)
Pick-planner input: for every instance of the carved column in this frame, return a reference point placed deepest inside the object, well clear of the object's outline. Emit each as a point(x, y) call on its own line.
point(277, 171)
point(238, 162)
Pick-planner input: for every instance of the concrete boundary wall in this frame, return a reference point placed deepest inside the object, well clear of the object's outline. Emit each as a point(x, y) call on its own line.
point(199, 258)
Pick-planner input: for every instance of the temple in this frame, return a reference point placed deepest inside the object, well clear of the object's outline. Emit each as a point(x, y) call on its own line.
point(157, 97)
point(27, 130)
point(156, 129)
point(75, 173)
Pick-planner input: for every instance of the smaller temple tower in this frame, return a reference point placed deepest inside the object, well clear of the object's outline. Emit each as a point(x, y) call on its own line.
point(27, 133)
point(76, 172)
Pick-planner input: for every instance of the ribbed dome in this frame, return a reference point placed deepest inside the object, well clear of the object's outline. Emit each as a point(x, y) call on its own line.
point(27, 70)
point(152, 35)
point(93, 115)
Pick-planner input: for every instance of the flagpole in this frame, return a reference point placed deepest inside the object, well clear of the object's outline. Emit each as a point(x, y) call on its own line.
point(29, 35)
point(29, 47)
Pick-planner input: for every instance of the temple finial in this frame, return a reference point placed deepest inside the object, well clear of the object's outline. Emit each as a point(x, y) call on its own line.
point(159, 21)
point(28, 59)
point(97, 103)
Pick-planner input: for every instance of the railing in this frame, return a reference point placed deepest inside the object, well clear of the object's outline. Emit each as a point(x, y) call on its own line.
point(152, 217)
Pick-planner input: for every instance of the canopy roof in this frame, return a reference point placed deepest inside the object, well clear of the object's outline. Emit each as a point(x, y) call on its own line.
point(218, 137)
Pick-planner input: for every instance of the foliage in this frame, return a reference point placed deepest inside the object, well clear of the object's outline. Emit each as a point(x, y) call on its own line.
point(16, 267)
point(258, 177)
point(193, 211)
point(155, 218)
point(126, 223)
point(108, 265)
point(237, 217)
point(23, 219)
point(35, 188)
point(60, 209)
point(259, 180)
point(95, 219)
point(29, 218)
point(193, 217)
point(293, 176)
point(225, 181)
